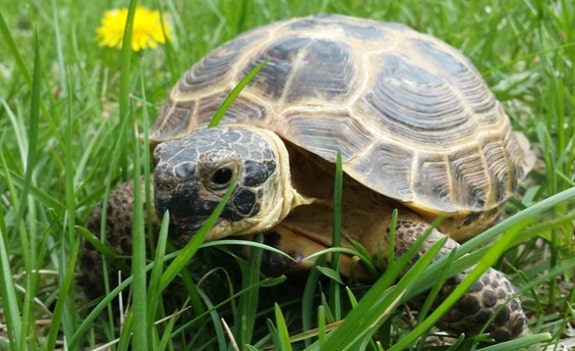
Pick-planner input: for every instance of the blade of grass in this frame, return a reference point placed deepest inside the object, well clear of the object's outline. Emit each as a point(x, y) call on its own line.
point(142, 332)
point(436, 288)
point(193, 245)
point(273, 332)
point(58, 47)
point(524, 216)
point(379, 302)
point(142, 338)
point(321, 326)
point(13, 48)
point(335, 284)
point(125, 80)
point(155, 293)
point(239, 242)
point(167, 337)
point(282, 330)
point(467, 254)
point(234, 94)
point(307, 304)
point(216, 321)
point(483, 265)
point(35, 192)
point(248, 302)
point(10, 303)
point(29, 244)
point(518, 344)
point(66, 304)
point(307, 301)
point(63, 301)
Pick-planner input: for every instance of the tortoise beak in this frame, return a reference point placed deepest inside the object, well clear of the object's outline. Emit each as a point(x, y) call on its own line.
point(187, 211)
point(187, 225)
point(183, 230)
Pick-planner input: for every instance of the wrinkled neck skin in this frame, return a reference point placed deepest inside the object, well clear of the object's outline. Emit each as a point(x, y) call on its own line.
point(364, 213)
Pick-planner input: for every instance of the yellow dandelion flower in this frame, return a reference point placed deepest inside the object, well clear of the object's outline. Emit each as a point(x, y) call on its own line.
point(149, 28)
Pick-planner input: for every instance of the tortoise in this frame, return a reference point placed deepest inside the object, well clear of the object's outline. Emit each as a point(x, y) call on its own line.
point(416, 126)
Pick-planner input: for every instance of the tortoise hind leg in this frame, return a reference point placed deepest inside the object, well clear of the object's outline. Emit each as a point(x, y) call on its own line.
point(491, 298)
point(118, 235)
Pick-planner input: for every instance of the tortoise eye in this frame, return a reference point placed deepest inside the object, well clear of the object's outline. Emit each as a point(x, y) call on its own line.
point(222, 177)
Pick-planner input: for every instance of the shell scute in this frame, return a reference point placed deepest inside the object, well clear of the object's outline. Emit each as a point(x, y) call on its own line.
point(417, 105)
point(497, 163)
point(315, 130)
point(465, 80)
point(386, 165)
point(291, 76)
point(179, 119)
point(470, 181)
point(214, 68)
point(435, 171)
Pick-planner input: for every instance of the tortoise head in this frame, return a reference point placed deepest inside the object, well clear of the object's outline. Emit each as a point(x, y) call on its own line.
point(194, 173)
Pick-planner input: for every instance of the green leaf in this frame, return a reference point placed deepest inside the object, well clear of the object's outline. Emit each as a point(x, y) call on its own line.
point(380, 301)
point(331, 273)
point(8, 290)
point(282, 330)
point(234, 94)
point(194, 244)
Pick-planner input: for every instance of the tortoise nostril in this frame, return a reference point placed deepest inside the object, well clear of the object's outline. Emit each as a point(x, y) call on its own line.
point(163, 186)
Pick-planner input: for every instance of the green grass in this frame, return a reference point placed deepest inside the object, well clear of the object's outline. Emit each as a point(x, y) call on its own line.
point(70, 116)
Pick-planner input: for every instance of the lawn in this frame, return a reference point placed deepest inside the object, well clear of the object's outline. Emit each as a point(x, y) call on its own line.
point(71, 116)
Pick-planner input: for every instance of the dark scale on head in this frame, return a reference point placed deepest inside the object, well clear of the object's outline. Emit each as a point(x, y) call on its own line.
point(244, 201)
point(256, 173)
point(231, 137)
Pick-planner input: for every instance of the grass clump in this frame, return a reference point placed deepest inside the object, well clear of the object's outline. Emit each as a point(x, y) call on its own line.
point(71, 113)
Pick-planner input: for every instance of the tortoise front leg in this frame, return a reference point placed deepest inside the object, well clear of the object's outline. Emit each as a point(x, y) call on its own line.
point(492, 297)
point(118, 235)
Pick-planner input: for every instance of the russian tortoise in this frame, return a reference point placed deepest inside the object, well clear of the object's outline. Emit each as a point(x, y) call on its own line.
point(417, 128)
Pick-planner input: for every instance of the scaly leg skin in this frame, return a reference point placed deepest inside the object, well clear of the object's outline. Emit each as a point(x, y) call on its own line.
point(491, 297)
point(118, 235)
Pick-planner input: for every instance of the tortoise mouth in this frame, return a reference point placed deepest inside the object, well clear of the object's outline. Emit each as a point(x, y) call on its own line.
point(183, 229)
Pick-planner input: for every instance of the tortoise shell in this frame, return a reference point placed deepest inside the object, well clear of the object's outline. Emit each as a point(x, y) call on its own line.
point(411, 116)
